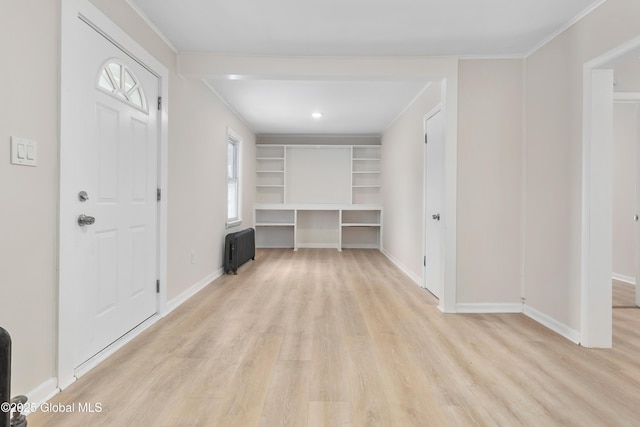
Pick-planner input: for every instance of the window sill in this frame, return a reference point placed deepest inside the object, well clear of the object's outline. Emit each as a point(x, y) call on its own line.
point(232, 224)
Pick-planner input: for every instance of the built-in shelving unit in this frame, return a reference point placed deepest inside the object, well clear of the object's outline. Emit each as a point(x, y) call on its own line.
point(318, 226)
point(318, 196)
point(361, 228)
point(275, 227)
point(270, 170)
point(365, 171)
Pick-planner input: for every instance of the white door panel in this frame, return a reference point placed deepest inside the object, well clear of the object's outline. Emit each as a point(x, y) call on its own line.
point(115, 162)
point(434, 215)
point(637, 177)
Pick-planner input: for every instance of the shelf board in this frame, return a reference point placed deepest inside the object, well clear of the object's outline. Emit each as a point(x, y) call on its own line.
point(366, 172)
point(269, 158)
point(361, 224)
point(269, 186)
point(269, 171)
point(366, 186)
point(366, 159)
point(275, 224)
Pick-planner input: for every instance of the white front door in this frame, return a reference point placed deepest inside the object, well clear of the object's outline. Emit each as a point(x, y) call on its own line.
point(434, 218)
point(111, 172)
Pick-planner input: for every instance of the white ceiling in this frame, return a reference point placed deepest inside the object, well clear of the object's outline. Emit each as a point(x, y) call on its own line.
point(348, 28)
point(285, 107)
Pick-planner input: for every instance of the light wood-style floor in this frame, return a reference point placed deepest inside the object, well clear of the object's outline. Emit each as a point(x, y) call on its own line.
point(624, 295)
point(323, 338)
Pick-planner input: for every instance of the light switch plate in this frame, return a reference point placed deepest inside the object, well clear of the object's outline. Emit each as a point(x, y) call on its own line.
point(24, 152)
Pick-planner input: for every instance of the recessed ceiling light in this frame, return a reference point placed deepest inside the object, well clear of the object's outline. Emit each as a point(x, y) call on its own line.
point(316, 114)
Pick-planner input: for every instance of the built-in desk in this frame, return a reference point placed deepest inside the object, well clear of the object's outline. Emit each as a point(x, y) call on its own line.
point(318, 226)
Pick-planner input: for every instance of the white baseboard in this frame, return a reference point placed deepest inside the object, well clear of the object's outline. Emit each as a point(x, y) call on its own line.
point(180, 299)
point(318, 246)
point(359, 246)
point(538, 316)
point(66, 382)
point(553, 324)
point(417, 280)
point(489, 308)
point(623, 278)
point(41, 394)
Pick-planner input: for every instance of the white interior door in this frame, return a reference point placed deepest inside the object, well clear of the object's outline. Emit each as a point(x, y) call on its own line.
point(434, 218)
point(637, 217)
point(113, 159)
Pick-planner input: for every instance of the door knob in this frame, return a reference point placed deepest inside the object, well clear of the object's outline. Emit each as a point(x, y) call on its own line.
point(436, 217)
point(86, 220)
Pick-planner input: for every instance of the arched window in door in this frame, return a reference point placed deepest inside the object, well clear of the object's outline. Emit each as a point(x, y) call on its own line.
point(119, 81)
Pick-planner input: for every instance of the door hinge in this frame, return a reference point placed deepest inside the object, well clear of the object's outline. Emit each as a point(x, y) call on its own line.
point(159, 103)
point(424, 260)
point(158, 194)
point(158, 286)
point(425, 138)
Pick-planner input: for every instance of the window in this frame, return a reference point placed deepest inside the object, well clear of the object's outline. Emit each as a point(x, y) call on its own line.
point(119, 81)
point(233, 179)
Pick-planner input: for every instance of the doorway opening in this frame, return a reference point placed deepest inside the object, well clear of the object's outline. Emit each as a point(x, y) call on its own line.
point(626, 179)
point(597, 177)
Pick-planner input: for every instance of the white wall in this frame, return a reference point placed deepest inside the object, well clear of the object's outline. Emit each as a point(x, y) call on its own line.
point(625, 178)
point(29, 33)
point(489, 147)
point(403, 185)
point(318, 175)
point(490, 144)
point(198, 120)
point(198, 124)
point(627, 76)
point(553, 183)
